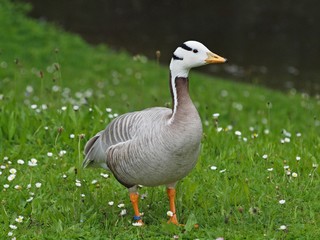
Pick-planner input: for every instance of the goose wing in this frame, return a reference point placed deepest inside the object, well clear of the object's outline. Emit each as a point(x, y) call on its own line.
point(120, 134)
point(120, 130)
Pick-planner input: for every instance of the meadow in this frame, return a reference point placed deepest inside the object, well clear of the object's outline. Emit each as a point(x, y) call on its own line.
point(257, 176)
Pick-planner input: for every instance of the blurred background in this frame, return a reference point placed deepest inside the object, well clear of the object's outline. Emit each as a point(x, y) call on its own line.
point(275, 44)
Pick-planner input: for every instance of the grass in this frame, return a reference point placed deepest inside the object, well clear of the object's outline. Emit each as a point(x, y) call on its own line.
point(54, 93)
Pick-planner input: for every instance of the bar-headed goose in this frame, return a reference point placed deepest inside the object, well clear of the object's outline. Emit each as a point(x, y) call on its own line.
point(155, 146)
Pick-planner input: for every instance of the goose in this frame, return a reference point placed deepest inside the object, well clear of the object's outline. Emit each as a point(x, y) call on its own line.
point(158, 145)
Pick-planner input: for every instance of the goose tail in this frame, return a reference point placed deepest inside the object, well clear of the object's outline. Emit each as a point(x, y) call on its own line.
point(90, 150)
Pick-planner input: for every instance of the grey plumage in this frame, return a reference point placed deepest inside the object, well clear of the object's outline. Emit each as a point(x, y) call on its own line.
point(144, 148)
point(155, 146)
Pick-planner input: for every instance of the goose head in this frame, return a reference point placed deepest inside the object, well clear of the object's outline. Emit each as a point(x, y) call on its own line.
point(192, 54)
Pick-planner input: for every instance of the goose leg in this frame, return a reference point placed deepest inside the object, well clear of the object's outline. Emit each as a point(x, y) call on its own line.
point(171, 191)
point(134, 198)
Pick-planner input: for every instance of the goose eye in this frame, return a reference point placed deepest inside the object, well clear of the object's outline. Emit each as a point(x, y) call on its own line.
point(195, 50)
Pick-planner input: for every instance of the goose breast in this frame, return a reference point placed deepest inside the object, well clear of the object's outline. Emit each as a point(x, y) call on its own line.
point(154, 152)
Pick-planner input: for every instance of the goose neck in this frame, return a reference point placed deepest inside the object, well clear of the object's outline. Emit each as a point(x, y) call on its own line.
point(181, 101)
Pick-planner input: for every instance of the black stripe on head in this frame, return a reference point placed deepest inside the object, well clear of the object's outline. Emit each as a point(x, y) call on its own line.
point(185, 47)
point(176, 58)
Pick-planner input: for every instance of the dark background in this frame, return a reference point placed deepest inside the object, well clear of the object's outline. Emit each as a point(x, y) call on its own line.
point(274, 43)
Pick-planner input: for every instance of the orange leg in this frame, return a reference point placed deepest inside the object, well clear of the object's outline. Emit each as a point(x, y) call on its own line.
point(172, 194)
point(134, 198)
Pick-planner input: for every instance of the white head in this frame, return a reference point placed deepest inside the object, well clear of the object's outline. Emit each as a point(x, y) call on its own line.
point(189, 55)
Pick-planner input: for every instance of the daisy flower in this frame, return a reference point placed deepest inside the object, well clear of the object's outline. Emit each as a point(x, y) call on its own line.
point(213, 168)
point(94, 181)
point(33, 162)
point(283, 227)
point(19, 219)
point(238, 133)
point(13, 227)
point(137, 224)
point(20, 161)
point(11, 177)
point(62, 152)
point(216, 115)
point(123, 212)
point(219, 129)
point(104, 175)
point(17, 187)
point(78, 183)
point(170, 214)
point(120, 205)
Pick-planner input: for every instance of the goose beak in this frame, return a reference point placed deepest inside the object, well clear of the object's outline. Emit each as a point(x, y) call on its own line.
point(214, 58)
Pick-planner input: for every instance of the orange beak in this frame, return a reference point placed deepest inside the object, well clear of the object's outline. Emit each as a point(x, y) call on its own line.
point(214, 58)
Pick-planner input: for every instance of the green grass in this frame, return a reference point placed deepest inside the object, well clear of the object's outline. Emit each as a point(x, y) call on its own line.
point(45, 72)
